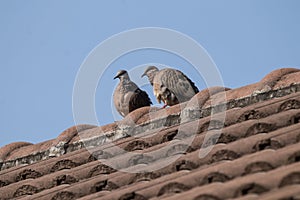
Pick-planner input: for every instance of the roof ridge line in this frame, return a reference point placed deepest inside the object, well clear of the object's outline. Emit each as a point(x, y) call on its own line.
point(171, 120)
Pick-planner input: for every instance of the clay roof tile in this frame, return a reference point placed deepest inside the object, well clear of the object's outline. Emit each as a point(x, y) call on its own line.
point(251, 152)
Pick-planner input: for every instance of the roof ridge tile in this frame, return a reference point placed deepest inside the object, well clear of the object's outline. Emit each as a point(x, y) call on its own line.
point(7, 149)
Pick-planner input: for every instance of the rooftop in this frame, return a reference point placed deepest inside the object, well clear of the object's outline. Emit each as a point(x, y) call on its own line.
point(249, 151)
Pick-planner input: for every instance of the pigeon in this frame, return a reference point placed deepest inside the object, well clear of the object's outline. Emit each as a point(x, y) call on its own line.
point(170, 85)
point(128, 96)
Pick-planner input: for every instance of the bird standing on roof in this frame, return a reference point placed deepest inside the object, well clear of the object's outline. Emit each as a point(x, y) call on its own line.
point(170, 85)
point(128, 96)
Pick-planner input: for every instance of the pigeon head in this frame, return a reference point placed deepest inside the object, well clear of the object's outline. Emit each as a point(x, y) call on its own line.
point(150, 72)
point(122, 75)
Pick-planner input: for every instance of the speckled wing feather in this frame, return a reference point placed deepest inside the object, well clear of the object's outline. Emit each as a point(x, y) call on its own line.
point(139, 99)
point(196, 90)
point(172, 86)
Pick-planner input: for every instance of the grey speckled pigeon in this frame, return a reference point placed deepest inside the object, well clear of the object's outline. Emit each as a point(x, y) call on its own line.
point(128, 96)
point(170, 85)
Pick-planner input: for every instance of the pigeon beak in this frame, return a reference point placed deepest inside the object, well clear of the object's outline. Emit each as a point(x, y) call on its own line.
point(116, 77)
point(144, 74)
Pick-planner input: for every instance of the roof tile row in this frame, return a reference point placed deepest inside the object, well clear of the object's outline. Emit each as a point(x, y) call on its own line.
point(252, 153)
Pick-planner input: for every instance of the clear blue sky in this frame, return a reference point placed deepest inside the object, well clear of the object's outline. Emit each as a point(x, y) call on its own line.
point(43, 44)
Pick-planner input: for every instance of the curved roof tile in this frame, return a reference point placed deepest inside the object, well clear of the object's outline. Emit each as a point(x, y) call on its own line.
point(255, 150)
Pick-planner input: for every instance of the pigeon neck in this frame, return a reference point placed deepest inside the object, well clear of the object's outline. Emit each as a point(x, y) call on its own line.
point(151, 77)
point(124, 79)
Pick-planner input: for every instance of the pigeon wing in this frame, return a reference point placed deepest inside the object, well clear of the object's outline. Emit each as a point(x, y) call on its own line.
point(177, 83)
point(138, 99)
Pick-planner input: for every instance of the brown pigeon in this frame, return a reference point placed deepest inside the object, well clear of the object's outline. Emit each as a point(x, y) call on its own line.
point(128, 96)
point(170, 85)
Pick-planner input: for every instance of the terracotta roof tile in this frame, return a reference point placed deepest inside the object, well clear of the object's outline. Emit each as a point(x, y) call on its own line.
point(254, 151)
point(7, 149)
point(257, 183)
point(289, 76)
point(277, 75)
point(288, 192)
point(22, 149)
point(29, 149)
point(67, 135)
point(230, 166)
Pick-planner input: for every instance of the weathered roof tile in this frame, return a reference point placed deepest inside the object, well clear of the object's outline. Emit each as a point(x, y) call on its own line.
point(251, 152)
